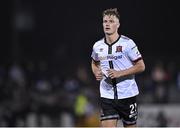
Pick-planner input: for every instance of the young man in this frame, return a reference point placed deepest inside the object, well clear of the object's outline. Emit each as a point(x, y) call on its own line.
point(115, 61)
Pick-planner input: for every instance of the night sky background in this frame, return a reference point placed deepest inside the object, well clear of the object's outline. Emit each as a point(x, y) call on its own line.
point(64, 31)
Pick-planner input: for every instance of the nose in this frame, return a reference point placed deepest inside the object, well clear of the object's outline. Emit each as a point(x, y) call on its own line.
point(107, 24)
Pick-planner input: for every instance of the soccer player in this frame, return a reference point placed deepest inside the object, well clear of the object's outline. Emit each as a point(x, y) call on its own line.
point(115, 61)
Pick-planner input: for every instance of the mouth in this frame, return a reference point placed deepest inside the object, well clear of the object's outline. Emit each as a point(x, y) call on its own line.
point(107, 29)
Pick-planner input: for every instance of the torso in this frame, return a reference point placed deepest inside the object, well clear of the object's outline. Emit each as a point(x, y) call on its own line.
point(121, 54)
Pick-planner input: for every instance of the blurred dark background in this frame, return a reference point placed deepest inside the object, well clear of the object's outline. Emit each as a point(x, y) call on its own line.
point(45, 73)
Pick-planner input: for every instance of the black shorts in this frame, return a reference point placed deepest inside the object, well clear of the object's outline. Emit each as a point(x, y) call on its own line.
point(125, 109)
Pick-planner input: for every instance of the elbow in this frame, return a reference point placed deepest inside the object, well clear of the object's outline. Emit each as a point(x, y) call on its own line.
point(142, 68)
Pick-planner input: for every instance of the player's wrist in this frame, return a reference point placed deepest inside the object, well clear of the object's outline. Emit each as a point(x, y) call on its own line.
point(120, 73)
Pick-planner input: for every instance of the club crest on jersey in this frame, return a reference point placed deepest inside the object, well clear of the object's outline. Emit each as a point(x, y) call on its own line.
point(118, 48)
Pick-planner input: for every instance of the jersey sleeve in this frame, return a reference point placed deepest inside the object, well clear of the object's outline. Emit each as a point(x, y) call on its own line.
point(133, 52)
point(94, 55)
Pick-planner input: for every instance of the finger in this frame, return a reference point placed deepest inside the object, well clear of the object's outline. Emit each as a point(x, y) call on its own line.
point(112, 77)
point(99, 75)
point(110, 73)
point(98, 78)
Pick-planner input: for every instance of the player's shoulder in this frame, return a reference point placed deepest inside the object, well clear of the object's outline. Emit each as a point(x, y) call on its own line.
point(99, 42)
point(127, 39)
point(127, 42)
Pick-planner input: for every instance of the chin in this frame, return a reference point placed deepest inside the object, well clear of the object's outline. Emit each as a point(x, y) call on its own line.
point(108, 33)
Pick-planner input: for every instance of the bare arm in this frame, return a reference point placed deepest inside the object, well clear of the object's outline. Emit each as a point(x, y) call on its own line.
point(138, 67)
point(96, 70)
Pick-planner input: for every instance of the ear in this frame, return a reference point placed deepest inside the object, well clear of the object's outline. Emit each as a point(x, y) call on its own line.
point(118, 25)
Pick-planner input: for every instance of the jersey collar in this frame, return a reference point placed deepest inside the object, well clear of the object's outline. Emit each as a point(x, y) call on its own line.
point(113, 42)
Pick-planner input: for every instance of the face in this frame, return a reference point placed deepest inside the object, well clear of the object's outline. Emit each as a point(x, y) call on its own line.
point(110, 24)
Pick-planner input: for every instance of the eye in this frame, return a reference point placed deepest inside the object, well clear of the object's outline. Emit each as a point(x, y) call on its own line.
point(111, 21)
point(104, 21)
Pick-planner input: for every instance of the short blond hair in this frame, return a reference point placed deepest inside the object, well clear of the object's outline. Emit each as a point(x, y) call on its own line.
point(111, 11)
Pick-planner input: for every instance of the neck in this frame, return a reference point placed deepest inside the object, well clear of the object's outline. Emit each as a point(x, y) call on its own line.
point(112, 38)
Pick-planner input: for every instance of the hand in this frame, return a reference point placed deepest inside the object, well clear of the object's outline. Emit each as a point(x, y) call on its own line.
point(99, 75)
point(113, 73)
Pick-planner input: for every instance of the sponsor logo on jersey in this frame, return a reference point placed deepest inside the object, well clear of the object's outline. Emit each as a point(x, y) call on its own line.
point(110, 57)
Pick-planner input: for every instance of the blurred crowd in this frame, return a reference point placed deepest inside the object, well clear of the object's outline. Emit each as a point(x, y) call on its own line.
point(160, 84)
point(34, 95)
